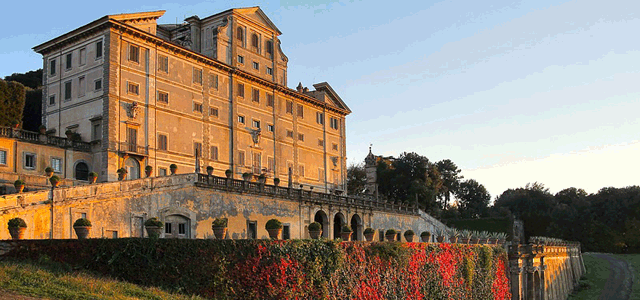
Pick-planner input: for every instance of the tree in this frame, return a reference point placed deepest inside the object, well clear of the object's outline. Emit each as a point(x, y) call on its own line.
point(450, 179)
point(32, 112)
point(31, 79)
point(356, 179)
point(473, 199)
point(12, 97)
point(532, 204)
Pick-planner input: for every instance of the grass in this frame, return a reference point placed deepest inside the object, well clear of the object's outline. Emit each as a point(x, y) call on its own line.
point(634, 261)
point(37, 281)
point(594, 279)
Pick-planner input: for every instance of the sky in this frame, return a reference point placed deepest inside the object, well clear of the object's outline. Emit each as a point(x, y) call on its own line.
point(513, 92)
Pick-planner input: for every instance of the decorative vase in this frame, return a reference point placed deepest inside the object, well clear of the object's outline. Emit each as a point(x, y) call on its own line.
point(49, 174)
point(228, 173)
point(153, 231)
point(220, 232)
point(409, 238)
point(93, 180)
point(315, 234)
point(369, 236)
point(17, 233)
point(19, 188)
point(425, 238)
point(346, 236)
point(121, 176)
point(148, 173)
point(274, 233)
point(82, 231)
point(209, 172)
point(173, 171)
point(440, 239)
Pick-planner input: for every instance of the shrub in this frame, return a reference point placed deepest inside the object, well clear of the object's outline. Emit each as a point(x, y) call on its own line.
point(228, 172)
point(262, 176)
point(346, 228)
point(148, 168)
point(173, 166)
point(153, 222)
point(315, 226)
point(209, 168)
point(220, 223)
point(54, 179)
point(273, 224)
point(18, 183)
point(93, 174)
point(369, 230)
point(246, 175)
point(409, 233)
point(17, 223)
point(48, 170)
point(276, 180)
point(42, 127)
point(425, 233)
point(390, 232)
point(122, 171)
point(81, 222)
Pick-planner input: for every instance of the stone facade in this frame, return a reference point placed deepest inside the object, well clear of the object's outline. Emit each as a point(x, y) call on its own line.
point(150, 95)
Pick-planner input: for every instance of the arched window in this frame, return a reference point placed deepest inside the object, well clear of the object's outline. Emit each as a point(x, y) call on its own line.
point(254, 40)
point(82, 171)
point(240, 33)
point(270, 48)
point(133, 168)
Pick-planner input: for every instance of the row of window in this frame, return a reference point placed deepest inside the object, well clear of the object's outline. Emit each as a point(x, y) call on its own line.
point(255, 42)
point(82, 58)
point(30, 161)
point(256, 65)
point(68, 89)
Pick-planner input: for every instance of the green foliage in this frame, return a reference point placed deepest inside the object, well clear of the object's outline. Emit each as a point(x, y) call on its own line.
point(17, 222)
point(122, 171)
point(425, 233)
point(220, 223)
point(12, 99)
point(31, 79)
point(209, 168)
point(273, 224)
point(81, 222)
point(246, 175)
point(390, 232)
point(346, 228)
point(473, 199)
point(93, 174)
point(409, 233)
point(148, 168)
point(276, 180)
point(450, 179)
point(369, 230)
point(173, 166)
point(48, 170)
point(32, 112)
point(153, 222)
point(18, 183)
point(356, 179)
point(315, 226)
point(54, 179)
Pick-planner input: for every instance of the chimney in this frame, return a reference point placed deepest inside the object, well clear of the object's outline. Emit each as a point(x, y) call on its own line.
point(306, 89)
point(299, 87)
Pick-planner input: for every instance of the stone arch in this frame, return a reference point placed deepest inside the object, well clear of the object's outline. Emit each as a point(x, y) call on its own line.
point(321, 217)
point(356, 226)
point(132, 166)
point(81, 170)
point(176, 214)
point(338, 222)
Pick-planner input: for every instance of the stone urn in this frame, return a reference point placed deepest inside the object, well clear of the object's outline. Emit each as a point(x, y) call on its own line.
point(82, 231)
point(369, 236)
point(274, 233)
point(440, 239)
point(19, 188)
point(209, 170)
point(453, 239)
point(153, 231)
point(220, 232)
point(425, 237)
point(173, 168)
point(228, 173)
point(93, 178)
point(390, 237)
point(315, 234)
point(409, 236)
point(17, 233)
point(346, 236)
point(147, 173)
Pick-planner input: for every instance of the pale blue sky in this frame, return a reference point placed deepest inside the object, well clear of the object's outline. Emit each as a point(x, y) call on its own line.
point(512, 91)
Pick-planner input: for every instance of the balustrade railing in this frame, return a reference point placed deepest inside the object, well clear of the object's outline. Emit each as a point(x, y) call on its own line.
point(37, 138)
point(302, 195)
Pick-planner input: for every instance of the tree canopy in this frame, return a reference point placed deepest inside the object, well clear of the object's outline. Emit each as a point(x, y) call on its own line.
point(12, 98)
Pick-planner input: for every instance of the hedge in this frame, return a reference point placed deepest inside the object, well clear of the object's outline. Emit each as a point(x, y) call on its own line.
point(272, 269)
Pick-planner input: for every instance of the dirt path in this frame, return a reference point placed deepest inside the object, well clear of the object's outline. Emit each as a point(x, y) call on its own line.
point(620, 282)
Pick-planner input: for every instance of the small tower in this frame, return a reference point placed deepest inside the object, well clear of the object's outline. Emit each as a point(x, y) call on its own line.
point(370, 167)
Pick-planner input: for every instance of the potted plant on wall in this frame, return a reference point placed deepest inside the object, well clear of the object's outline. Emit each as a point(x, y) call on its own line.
point(173, 168)
point(408, 235)
point(441, 235)
point(466, 236)
point(390, 235)
point(42, 129)
point(48, 171)
point(276, 181)
point(17, 226)
point(454, 234)
point(219, 227)
point(369, 233)
point(148, 170)
point(246, 176)
point(209, 170)
point(122, 173)
point(274, 227)
point(228, 173)
point(82, 227)
point(262, 178)
point(346, 232)
point(425, 236)
point(315, 230)
point(19, 185)
point(55, 180)
point(93, 177)
point(153, 227)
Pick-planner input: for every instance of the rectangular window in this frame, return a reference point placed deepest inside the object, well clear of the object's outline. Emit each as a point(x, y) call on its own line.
point(197, 75)
point(163, 63)
point(213, 111)
point(271, 163)
point(132, 139)
point(163, 97)
point(320, 174)
point(197, 149)
point(197, 107)
point(240, 90)
point(69, 61)
point(290, 107)
point(300, 111)
point(167, 228)
point(133, 88)
point(241, 119)
point(256, 65)
point(97, 85)
point(56, 164)
point(286, 232)
point(320, 118)
point(320, 142)
point(301, 170)
point(52, 67)
point(289, 134)
point(213, 81)
point(334, 146)
point(269, 100)
point(182, 228)
point(162, 172)
point(214, 152)
point(301, 137)
point(269, 71)
point(255, 95)
point(111, 234)
point(252, 230)
point(334, 123)
point(29, 161)
point(3, 157)
point(257, 163)
point(134, 53)
point(81, 86)
point(256, 124)
point(67, 91)
point(241, 158)
point(83, 56)
point(98, 49)
point(240, 59)
point(52, 100)
point(96, 131)
point(162, 142)
point(270, 127)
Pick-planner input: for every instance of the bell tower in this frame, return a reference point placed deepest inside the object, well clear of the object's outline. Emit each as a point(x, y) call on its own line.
point(370, 167)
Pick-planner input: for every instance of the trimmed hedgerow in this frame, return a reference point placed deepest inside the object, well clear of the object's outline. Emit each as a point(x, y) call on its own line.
point(275, 269)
